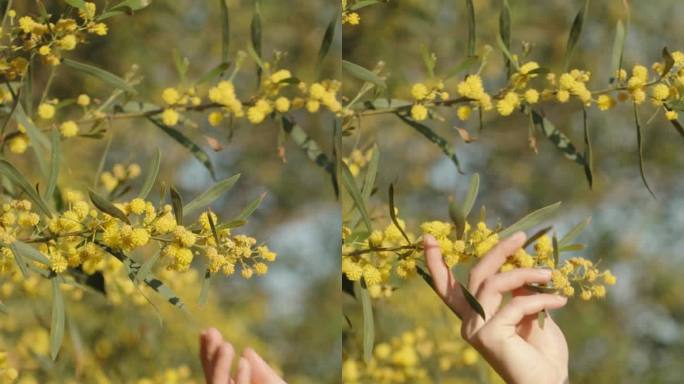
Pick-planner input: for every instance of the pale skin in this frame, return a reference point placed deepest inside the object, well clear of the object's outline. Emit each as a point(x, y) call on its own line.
point(510, 338)
point(217, 357)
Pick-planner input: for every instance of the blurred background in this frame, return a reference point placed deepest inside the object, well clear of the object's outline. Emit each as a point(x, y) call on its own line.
point(291, 315)
point(635, 334)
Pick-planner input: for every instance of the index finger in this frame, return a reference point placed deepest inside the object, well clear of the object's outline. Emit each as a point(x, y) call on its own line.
point(494, 259)
point(443, 281)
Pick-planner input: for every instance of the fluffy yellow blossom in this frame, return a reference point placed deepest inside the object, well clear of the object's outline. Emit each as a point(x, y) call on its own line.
point(671, 115)
point(83, 100)
point(463, 112)
point(605, 102)
point(170, 117)
point(215, 118)
point(532, 96)
point(46, 111)
point(282, 104)
point(68, 128)
point(170, 96)
point(419, 112)
point(19, 143)
point(419, 91)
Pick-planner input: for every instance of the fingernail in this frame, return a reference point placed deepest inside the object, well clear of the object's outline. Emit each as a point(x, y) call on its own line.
point(544, 273)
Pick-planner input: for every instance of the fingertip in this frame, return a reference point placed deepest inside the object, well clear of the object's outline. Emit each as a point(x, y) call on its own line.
point(519, 236)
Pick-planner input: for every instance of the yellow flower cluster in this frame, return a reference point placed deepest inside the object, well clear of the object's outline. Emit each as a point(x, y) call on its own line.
point(49, 40)
point(357, 160)
point(177, 98)
point(665, 90)
point(471, 244)
point(423, 94)
point(119, 176)
point(582, 273)
point(377, 261)
point(349, 17)
point(8, 374)
point(403, 359)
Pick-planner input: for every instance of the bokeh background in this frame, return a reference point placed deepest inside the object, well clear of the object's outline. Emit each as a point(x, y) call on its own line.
point(635, 334)
point(291, 316)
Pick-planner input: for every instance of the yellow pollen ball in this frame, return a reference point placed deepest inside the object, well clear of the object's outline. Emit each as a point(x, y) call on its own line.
point(46, 111)
point(68, 129)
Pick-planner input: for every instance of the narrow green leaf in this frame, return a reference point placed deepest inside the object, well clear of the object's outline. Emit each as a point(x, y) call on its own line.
point(469, 201)
point(212, 194)
point(371, 174)
point(328, 37)
point(470, 12)
point(39, 141)
point(678, 126)
point(80, 4)
point(362, 4)
point(472, 301)
point(55, 155)
point(20, 260)
point(460, 67)
point(560, 140)
point(531, 220)
point(393, 214)
point(433, 137)
point(152, 174)
point(29, 252)
point(103, 160)
point(182, 63)
point(104, 76)
point(107, 207)
point(213, 73)
point(204, 291)
point(255, 29)
point(574, 232)
point(368, 322)
point(18, 180)
point(575, 33)
point(640, 147)
point(618, 49)
point(571, 248)
point(536, 236)
point(505, 32)
point(58, 319)
point(251, 207)
point(350, 185)
point(308, 144)
point(668, 62)
point(363, 74)
point(429, 60)
point(131, 5)
point(177, 204)
point(588, 153)
point(146, 268)
point(199, 153)
point(554, 242)
point(541, 317)
point(506, 51)
point(225, 31)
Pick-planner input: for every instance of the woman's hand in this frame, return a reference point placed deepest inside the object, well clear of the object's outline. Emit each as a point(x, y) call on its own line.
point(510, 339)
point(217, 356)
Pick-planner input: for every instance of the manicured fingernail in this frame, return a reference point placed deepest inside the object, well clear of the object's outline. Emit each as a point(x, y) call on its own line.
point(544, 273)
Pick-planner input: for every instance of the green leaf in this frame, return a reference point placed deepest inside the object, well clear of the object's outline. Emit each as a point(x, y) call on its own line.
point(225, 31)
point(469, 201)
point(571, 248)
point(362, 4)
point(531, 220)
point(206, 282)
point(460, 67)
point(255, 29)
point(213, 73)
point(505, 32)
point(640, 147)
point(678, 126)
point(536, 236)
point(152, 174)
point(309, 145)
point(177, 204)
point(104, 76)
point(429, 60)
point(212, 194)
point(588, 153)
point(541, 317)
point(131, 5)
point(350, 185)
point(146, 268)
point(39, 141)
point(363, 74)
point(249, 209)
point(575, 33)
point(200, 154)
point(18, 180)
point(554, 242)
point(433, 137)
point(668, 62)
point(103, 160)
point(470, 11)
point(30, 252)
point(371, 174)
point(80, 4)
point(368, 321)
point(393, 214)
point(107, 207)
point(55, 155)
point(58, 319)
point(574, 232)
point(506, 51)
point(472, 301)
point(182, 63)
point(558, 139)
point(618, 49)
point(328, 37)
